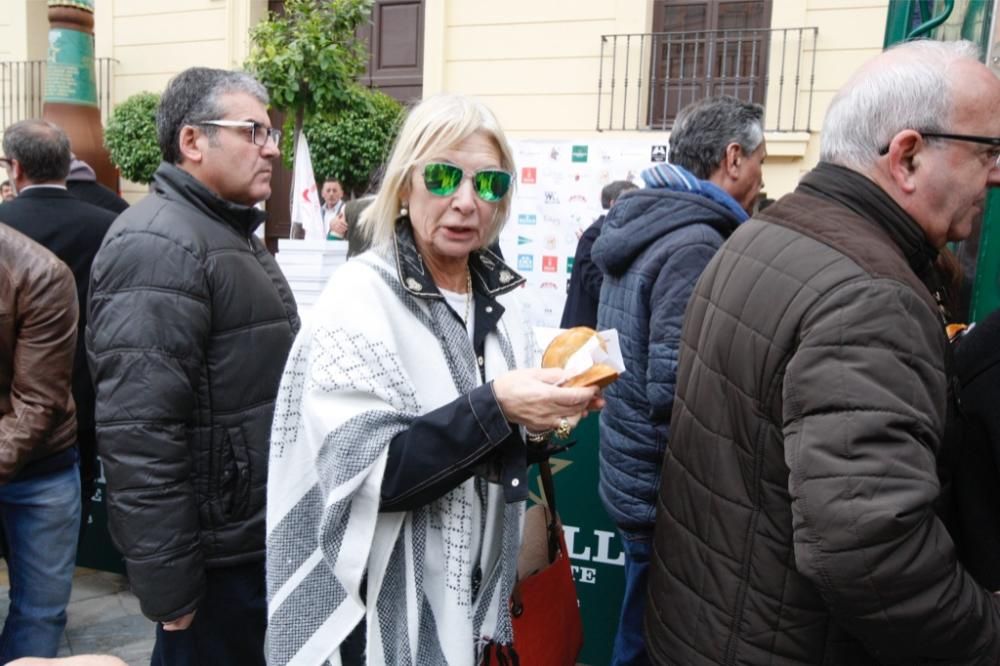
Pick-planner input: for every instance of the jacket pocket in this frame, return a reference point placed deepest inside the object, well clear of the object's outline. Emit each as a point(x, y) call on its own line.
point(235, 482)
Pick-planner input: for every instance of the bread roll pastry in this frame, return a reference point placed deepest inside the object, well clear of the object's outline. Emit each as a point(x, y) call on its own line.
point(564, 345)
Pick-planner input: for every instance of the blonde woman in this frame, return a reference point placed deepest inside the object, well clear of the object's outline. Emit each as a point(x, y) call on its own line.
point(398, 468)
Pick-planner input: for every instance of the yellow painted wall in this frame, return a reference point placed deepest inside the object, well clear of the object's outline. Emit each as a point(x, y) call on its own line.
point(153, 40)
point(16, 41)
point(23, 36)
point(536, 63)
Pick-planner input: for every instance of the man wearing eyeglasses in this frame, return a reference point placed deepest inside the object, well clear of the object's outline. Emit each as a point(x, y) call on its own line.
point(796, 519)
point(191, 321)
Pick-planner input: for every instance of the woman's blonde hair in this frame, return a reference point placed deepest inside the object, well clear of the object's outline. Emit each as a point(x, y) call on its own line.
point(433, 126)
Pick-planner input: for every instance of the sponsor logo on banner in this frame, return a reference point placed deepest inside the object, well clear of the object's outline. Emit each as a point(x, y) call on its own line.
point(551, 219)
point(569, 264)
point(548, 285)
point(553, 176)
point(529, 175)
point(525, 262)
point(551, 243)
point(551, 198)
point(550, 264)
point(658, 154)
point(529, 149)
point(527, 219)
point(524, 240)
point(554, 153)
point(579, 153)
point(577, 198)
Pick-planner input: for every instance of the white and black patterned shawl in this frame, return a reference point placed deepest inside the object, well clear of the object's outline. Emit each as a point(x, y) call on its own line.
point(371, 359)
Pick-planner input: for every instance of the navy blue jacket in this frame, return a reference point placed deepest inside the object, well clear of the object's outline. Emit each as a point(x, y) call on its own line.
point(654, 245)
point(585, 282)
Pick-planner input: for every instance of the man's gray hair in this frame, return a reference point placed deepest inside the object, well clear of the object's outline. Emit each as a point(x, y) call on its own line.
point(41, 147)
point(911, 91)
point(194, 96)
point(704, 128)
point(613, 190)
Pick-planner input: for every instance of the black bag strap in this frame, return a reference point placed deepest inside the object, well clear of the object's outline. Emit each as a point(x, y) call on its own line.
point(545, 474)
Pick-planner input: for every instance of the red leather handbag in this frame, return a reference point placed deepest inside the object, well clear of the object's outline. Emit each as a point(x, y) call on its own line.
point(544, 608)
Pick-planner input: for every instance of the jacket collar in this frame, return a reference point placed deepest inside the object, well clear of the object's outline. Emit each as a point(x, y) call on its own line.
point(490, 275)
point(678, 179)
point(45, 191)
point(863, 196)
point(860, 194)
point(172, 182)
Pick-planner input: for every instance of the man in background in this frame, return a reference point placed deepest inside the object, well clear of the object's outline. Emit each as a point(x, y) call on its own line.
point(585, 281)
point(38, 162)
point(333, 204)
point(654, 245)
point(82, 184)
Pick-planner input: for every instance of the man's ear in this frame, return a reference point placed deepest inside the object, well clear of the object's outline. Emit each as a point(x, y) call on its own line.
point(733, 160)
point(191, 142)
point(16, 171)
point(904, 157)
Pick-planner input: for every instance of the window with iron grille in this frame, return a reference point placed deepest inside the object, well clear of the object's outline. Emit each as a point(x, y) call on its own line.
point(703, 48)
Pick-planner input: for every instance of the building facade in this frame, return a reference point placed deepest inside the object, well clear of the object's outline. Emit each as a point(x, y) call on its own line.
point(559, 69)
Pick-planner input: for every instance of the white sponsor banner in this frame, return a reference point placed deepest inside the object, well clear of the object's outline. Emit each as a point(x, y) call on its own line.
point(558, 195)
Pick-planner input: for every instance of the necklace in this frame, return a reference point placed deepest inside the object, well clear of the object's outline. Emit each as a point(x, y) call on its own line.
point(468, 296)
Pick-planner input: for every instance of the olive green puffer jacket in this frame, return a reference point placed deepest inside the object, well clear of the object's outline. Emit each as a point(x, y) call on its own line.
point(796, 522)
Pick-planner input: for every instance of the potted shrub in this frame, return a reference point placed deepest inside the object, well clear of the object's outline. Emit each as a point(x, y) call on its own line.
point(130, 137)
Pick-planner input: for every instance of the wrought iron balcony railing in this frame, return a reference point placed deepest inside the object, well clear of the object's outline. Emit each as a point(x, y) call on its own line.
point(646, 78)
point(22, 89)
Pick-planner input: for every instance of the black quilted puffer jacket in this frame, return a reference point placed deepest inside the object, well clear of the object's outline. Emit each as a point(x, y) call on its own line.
point(796, 520)
point(190, 324)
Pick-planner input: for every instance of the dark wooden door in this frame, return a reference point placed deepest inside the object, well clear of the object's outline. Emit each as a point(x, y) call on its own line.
point(396, 49)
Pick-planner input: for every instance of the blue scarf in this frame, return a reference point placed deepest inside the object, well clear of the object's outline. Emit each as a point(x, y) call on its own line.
point(679, 179)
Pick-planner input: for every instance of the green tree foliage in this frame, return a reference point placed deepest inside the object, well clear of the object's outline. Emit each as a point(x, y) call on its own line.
point(310, 57)
point(130, 137)
point(352, 144)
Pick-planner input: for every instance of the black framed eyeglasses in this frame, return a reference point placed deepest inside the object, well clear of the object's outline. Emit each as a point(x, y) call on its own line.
point(972, 138)
point(259, 134)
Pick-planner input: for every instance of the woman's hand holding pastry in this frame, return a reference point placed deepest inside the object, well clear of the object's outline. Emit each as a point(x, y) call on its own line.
point(531, 398)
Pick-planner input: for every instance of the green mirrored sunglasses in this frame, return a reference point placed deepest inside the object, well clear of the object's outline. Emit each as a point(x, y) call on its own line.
point(443, 179)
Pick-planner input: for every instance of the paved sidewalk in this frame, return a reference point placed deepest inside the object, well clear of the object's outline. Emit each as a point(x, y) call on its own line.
point(103, 618)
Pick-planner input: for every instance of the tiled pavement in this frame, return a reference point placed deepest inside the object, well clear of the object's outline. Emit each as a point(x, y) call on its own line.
point(103, 618)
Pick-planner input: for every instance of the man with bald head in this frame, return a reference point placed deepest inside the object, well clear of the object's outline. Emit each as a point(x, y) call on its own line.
point(796, 517)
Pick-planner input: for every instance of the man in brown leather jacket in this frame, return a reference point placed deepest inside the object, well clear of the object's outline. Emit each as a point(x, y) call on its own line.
point(39, 482)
